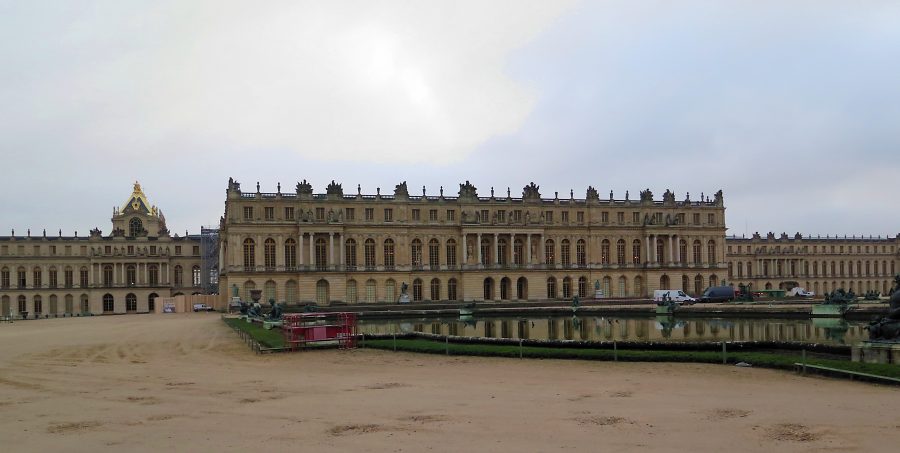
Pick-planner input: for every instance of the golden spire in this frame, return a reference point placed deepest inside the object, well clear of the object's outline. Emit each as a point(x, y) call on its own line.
point(137, 202)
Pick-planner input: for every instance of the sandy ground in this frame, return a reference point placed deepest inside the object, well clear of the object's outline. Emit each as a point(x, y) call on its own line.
point(186, 383)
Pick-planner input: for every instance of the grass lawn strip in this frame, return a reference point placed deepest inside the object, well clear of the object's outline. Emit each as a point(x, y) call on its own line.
point(268, 338)
point(758, 359)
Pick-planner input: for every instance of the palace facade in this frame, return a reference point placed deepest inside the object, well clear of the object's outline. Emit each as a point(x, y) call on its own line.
point(302, 247)
point(122, 272)
point(819, 264)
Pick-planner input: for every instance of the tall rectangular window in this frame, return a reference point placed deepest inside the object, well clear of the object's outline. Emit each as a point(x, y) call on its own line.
point(604, 217)
point(451, 215)
point(350, 214)
point(388, 215)
point(270, 212)
point(289, 213)
point(451, 253)
point(370, 214)
point(83, 278)
point(432, 215)
point(248, 212)
point(635, 217)
point(579, 216)
point(565, 216)
point(416, 215)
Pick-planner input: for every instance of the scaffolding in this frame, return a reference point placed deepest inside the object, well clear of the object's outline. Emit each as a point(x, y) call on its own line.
point(209, 260)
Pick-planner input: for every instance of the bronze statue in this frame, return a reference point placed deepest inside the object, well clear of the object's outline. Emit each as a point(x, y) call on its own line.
point(888, 327)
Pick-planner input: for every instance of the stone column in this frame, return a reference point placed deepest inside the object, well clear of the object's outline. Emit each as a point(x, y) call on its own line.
point(648, 254)
point(478, 247)
point(300, 250)
point(343, 246)
point(542, 252)
point(312, 249)
point(671, 250)
point(330, 259)
point(465, 249)
point(496, 248)
point(528, 245)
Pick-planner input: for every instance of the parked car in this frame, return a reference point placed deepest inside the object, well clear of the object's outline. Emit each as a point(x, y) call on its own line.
point(718, 294)
point(675, 295)
point(202, 307)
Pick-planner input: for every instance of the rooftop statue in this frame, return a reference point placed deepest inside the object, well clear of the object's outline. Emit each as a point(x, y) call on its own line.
point(400, 190)
point(304, 188)
point(646, 195)
point(669, 197)
point(592, 194)
point(334, 189)
point(531, 192)
point(467, 190)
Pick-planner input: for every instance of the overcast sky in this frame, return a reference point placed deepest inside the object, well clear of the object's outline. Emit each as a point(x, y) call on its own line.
point(791, 108)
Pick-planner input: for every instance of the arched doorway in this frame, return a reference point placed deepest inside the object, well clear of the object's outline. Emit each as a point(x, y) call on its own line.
point(151, 302)
point(522, 288)
point(322, 296)
point(488, 289)
point(664, 282)
point(505, 286)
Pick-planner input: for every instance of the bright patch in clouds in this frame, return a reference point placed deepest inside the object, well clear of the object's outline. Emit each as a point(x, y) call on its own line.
point(415, 81)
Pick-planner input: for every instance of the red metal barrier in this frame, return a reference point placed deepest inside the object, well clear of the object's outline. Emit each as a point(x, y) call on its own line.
point(301, 329)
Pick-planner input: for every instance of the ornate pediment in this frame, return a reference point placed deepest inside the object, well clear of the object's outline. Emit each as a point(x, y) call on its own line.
point(137, 203)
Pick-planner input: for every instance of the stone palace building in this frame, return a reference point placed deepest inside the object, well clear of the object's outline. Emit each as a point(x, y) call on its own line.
point(303, 247)
point(121, 272)
point(819, 264)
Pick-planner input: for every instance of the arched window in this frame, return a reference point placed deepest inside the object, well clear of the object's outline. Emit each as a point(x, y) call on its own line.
point(622, 289)
point(685, 284)
point(698, 285)
point(290, 253)
point(269, 293)
point(179, 276)
point(505, 288)
point(518, 251)
point(697, 247)
point(604, 252)
point(660, 251)
point(390, 291)
point(249, 285)
point(109, 303)
point(488, 289)
point(151, 302)
point(269, 253)
point(682, 253)
point(566, 287)
point(249, 253)
point(551, 288)
point(740, 269)
point(713, 280)
point(130, 275)
point(389, 254)
point(290, 292)
point(434, 253)
point(20, 277)
point(37, 283)
point(135, 227)
point(550, 251)
point(69, 304)
point(130, 302)
point(711, 252)
point(369, 253)
point(565, 252)
point(85, 304)
point(522, 288)
point(620, 252)
point(607, 286)
point(350, 254)
point(4, 278)
point(153, 274)
point(664, 282)
point(83, 277)
point(581, 253)
point(371, 290)
point(22, 303)
point(38, 305)
point(435, 289)
point(486, 251)
point(582, 287)
point(322, 296)
point(417, 289)
point(636, 251)
point(5, 308)
point(52, 277)
point(451, 253)
point(451, 289)
point(195, 276)
point(501, 251)
point(321, 254)
point(351, 292)
point(416, 253)
point(68, 277)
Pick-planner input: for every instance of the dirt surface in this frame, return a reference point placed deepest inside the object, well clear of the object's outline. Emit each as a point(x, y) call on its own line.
point(186, 383)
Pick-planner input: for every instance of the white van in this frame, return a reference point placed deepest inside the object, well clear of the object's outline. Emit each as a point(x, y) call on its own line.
point(674, 295)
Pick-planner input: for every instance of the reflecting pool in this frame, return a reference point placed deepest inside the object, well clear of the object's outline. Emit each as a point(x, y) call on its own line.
point(661, 328)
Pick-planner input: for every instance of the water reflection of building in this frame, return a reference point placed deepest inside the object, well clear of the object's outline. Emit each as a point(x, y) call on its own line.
point(644, 329)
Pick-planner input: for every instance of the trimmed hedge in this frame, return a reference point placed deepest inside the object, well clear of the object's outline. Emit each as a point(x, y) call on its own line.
point(758, 359)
